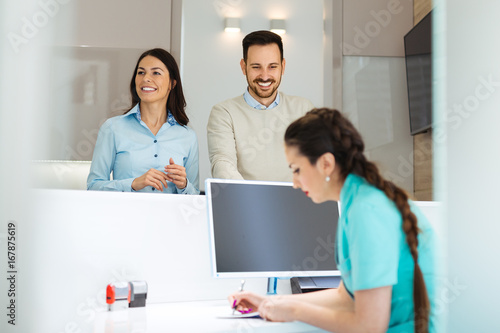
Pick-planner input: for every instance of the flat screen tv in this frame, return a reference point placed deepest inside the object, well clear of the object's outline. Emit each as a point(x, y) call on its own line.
point(418, 56)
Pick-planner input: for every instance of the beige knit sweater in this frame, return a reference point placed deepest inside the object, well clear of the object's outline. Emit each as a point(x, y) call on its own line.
point(246, 143)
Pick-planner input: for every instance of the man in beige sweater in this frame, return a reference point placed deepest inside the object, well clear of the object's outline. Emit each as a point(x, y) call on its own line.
point(245, 133)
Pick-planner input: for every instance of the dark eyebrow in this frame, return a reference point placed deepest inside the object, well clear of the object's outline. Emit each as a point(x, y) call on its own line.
point(257, 64)
point(154, 68)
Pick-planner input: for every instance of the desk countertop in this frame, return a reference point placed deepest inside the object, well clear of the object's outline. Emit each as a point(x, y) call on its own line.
point(200, 316)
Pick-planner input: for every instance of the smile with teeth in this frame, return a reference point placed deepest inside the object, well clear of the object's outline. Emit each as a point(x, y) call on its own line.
point(264, 84)
point(148, 89)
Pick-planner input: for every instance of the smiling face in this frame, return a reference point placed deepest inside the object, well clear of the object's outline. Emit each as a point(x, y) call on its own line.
point(152, 81)
point(263, 70)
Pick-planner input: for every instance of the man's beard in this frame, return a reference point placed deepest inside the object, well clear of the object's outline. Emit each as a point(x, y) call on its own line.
point(263, 94)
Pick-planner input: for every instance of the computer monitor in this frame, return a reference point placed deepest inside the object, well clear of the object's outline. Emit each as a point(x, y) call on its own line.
point(269, 229)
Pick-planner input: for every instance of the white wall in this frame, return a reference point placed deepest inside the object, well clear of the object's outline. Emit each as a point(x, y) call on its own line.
point(115, 23)
point(210, 57)
point(376, 27)
point(468, 159)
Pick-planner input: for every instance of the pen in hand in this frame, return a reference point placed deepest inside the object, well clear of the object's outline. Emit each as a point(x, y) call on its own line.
point(241, 289)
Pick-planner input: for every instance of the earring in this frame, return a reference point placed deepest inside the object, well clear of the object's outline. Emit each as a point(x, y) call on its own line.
point(327, 179)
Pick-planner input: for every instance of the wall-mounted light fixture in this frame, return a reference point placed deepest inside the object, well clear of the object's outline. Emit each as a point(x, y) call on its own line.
point(232, 24)
point(278, 27)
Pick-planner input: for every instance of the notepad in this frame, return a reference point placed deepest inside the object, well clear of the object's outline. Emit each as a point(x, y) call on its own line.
point(237, 315)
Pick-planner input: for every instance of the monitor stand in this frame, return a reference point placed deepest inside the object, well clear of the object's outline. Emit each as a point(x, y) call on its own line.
point(272, 282)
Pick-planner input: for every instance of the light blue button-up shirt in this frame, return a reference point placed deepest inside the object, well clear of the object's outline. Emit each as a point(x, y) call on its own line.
point(126, 147)
point(256, 105)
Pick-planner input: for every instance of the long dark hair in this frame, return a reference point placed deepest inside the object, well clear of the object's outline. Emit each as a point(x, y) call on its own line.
point(175, 102)
point(325, 130)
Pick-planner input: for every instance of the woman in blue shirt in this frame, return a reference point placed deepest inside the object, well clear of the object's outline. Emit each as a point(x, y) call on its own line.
point(149, 148)
point(385, 246)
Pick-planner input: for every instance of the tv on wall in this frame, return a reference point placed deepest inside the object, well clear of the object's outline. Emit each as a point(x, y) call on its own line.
point(418, 56)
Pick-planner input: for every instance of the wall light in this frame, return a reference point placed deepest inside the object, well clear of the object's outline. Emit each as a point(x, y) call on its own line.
point(232, 24)
point(278, 27)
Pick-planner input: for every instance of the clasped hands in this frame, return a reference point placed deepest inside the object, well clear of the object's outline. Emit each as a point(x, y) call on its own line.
point(173, 173)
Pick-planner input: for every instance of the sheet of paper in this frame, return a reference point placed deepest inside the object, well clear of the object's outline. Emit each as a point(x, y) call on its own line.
point(230, 315)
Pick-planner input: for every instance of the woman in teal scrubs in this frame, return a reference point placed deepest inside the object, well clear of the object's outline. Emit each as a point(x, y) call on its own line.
point(385, 245)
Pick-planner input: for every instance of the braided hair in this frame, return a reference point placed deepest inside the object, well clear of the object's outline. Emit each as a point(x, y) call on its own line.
point(326, 130)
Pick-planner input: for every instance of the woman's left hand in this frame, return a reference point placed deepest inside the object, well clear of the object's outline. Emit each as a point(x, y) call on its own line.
point(277, 309)
point(176, 174)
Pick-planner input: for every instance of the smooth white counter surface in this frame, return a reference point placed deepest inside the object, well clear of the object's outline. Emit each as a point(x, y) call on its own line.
point(188, 317)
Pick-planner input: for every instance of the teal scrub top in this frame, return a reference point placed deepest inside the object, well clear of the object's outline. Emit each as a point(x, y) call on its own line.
point(372, 251)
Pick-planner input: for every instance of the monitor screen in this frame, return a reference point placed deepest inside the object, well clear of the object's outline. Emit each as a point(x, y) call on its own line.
point(418, 55)
point(269, 229)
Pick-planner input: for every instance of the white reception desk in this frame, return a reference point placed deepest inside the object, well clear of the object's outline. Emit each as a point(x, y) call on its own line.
point(73, 243)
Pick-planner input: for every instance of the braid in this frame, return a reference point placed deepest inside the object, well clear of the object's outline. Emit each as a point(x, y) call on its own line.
point(410, 228)
point(346, 144)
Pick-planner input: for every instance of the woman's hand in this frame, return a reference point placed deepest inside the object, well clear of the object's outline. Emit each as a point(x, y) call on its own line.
point(277, 309)
point(152, 177)
point(245, 301)
point(272, 308)
point(176, 174)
